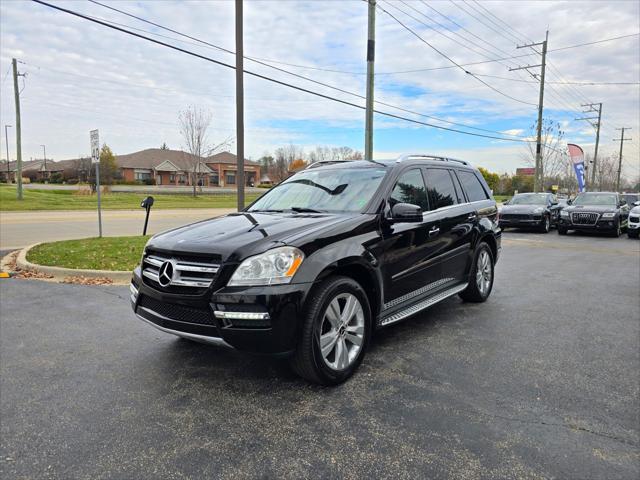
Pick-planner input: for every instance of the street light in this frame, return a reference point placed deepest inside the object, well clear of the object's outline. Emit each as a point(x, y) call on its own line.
point(44, 149)
point(6, 139)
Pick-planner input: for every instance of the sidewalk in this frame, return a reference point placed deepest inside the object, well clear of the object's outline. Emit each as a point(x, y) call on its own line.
point(19, 229)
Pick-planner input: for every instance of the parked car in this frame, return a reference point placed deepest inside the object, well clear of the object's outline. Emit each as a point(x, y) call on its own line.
point(630, 198)
point(538, 211)
point(595, 211)
point(315, 265)
point(633, 227)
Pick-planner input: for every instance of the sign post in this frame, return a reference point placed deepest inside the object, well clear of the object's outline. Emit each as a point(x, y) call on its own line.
point(95, 158)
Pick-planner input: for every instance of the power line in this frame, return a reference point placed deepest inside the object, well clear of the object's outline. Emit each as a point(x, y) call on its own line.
point(217, 47)
point(453, 61)
point(556, 83)
point(269, 79)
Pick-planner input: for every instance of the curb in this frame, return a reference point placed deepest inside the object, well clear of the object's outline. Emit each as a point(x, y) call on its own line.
point(60, 273)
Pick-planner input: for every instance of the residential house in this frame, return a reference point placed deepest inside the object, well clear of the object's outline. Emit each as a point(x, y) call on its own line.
point(173, 167)
point(35, 170)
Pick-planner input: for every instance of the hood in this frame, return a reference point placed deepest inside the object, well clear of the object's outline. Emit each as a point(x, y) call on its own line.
point(520, 208)
point(635, 210)
point(250, 233)
point(591, 208)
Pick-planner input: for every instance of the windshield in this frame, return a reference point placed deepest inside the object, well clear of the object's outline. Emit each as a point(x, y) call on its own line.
point(607, 199)
point(338, 190)
point(529, 199)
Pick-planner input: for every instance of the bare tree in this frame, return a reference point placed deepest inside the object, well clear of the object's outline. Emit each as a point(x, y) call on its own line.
point(194, 123)
point(554, 157)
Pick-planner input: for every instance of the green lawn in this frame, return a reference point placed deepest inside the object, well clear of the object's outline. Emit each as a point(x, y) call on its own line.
point(107, 253)
point(501, 198)
point(70, 200)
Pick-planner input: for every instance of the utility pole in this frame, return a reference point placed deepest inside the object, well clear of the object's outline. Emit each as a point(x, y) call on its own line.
point(594, 107)
point(16, 94)
point(239, 106)
point(538, 180)
point(6, 140)
point(371, 50)
point(622, 140)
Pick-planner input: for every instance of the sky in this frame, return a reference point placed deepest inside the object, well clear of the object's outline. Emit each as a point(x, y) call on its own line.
point(81, 76)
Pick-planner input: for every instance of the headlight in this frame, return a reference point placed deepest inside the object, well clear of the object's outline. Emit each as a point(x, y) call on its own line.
point(564, 213)
point(608, 215)
point(273, 267)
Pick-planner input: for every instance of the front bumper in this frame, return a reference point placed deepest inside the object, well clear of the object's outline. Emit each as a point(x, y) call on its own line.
point(602, 224)
point(533, 221)
point(262, 320)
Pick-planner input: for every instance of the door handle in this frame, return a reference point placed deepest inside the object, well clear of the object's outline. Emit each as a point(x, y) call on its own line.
point(434, 231)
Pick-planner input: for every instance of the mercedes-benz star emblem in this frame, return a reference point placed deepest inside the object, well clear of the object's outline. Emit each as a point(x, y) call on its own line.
point(165, 274)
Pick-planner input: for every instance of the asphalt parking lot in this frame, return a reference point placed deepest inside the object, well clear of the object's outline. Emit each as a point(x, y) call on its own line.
point(542, 381)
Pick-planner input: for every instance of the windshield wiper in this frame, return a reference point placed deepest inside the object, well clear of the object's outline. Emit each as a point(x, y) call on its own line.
point(305, 210)
point(267, 210)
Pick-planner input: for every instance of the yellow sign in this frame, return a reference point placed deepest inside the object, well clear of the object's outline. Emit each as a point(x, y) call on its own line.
point(555, 188)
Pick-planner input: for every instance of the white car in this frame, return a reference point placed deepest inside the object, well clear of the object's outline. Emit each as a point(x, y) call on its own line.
point(633, 227)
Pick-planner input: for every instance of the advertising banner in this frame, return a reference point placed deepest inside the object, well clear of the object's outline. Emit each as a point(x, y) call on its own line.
point(577, 159)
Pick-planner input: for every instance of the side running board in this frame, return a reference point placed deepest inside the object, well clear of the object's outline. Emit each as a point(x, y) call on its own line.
point(418, 307)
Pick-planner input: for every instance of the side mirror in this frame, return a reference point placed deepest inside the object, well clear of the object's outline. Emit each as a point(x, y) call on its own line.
point(622, 203)
point(569, 202)
point(506, 202)
point(406, 212)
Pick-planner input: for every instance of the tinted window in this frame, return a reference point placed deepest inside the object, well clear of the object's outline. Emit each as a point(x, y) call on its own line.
point(410, 189)
point(441, 190)
point(472, 186)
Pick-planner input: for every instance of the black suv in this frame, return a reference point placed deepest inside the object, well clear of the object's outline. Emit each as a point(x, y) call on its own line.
point(315, 265)
point(530, 210)
point(595, 211)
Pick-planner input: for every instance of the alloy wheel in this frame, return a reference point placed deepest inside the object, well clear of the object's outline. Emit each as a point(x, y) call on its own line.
point(484, 272)
point(342, 331)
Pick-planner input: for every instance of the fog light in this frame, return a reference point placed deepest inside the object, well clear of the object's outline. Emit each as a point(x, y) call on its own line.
point(241, 315)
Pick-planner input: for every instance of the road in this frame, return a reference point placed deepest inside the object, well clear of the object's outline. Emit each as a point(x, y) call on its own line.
point(541, 381)
point(19, 229)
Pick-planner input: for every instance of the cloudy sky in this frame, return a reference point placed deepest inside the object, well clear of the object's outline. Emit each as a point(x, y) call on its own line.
point(82, 76)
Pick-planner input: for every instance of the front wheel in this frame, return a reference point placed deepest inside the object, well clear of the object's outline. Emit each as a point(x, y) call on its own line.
point(546, 224)
point(335, 332)
point(481, 276)
point(617, 230)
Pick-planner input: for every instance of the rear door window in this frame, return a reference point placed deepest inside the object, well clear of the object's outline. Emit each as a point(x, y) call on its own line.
point(442, 193)
point(410, 188)
point(473, 187)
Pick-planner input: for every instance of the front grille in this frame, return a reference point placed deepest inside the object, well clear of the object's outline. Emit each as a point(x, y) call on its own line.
point(634, 219)
point(515, 216)
point(584, 218)
point(177, 312)
point(189, 274)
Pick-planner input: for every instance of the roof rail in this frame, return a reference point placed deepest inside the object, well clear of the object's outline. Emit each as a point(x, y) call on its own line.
point(319, 163)
point(407, 156)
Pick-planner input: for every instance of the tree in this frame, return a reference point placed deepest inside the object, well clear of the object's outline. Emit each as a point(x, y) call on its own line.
point(554, 158)
point(108, 165)
point(194, 123)
point(164, 146)
point(492, 179)
point(297, 164)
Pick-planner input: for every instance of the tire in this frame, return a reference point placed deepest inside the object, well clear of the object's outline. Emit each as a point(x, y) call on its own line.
point(480, 284)
point(617, 230)
point(546, 225)
point(562, 230)
point(342, 355)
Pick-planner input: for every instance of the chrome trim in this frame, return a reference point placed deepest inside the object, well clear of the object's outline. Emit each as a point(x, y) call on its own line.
point(153, 275)
point(597, 217)
point(408, 156)
point(241, 315)
point(219, 342)
point(413, 309)
point(133, 292)
point(416, 293)
point(179, 266)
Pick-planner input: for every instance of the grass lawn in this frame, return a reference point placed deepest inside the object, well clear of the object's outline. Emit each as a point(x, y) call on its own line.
point(107, 253)
point(69, 200)
point(501, 198)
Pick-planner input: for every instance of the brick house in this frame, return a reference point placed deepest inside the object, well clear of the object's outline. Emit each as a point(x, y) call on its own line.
point(172, 168)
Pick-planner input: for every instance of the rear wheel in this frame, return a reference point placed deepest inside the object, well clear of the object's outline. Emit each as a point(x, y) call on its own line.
point(481, 276)
point(335, 332)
